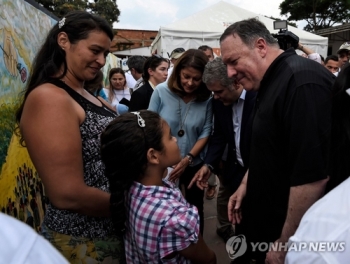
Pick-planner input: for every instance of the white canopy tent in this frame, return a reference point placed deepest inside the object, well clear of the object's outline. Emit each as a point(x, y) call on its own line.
point(206, 27)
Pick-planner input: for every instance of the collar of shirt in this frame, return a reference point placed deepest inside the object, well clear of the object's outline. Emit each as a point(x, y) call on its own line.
point(141, 190)
point(243, 95)
point(153, 86)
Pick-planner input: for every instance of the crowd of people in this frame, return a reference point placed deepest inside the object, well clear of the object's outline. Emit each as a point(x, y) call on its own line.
point(125, 169)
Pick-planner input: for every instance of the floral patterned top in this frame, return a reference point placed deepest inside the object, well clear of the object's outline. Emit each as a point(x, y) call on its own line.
point(71, 223)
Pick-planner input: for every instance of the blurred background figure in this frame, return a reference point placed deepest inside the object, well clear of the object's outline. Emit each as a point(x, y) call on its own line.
point(208, 51)
point(135, 65)
point(95, 86)
point(332, 64)
point(174, 55)
point(117, 91)
point(185, 103)
point(344, 53)
point(130, 80)
point(155, 71)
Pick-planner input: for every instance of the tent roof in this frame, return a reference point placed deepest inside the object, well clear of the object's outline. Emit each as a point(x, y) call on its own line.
point(212, 21)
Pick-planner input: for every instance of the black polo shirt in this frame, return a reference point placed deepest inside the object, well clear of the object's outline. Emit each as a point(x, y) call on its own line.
point(290, 140)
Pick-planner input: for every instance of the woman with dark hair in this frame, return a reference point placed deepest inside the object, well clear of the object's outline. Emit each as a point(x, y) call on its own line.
point(60, 123)
point(155, 71)
point(118, 93)
point(185, 103)
point(340, 139)
point(159, 226)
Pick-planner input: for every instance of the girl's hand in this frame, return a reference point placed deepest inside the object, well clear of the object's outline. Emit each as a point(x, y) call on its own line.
point(179, 169)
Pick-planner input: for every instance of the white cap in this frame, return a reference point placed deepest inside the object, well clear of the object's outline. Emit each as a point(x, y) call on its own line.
point(344, 47)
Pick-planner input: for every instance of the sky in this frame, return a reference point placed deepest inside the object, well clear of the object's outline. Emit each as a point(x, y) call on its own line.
point(152, 14)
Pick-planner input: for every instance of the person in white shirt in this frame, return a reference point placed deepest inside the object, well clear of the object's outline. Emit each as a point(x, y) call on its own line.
point(327, 221)
point(309, 53)
point(118, 93)
point(130, 81)
point(20, 244)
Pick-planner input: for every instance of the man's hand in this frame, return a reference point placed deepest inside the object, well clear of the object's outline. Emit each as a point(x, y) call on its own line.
point(276, 257)
point(234, 204)
point(201, 178)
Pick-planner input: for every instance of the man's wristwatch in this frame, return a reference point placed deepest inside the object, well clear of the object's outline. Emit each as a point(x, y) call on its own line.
point(190, 158)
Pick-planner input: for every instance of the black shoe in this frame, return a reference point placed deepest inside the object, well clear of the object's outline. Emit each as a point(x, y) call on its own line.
point(225, 235)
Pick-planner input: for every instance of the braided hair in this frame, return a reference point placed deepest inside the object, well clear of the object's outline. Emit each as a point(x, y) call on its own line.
point(124, 146)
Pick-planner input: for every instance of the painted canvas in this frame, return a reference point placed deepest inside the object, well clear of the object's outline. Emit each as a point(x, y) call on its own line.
point(23, 26)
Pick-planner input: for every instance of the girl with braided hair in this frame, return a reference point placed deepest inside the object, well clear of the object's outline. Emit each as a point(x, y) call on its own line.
point(158, 225)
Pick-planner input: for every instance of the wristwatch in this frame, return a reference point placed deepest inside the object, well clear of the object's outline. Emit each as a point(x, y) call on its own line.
point(190, 158)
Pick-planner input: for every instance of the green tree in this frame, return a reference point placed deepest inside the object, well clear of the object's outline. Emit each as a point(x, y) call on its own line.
point(104, 8)
point(108, 9)
point(318, 14)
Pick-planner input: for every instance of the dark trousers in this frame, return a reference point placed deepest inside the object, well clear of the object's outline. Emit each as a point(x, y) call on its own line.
point(194, 195)
point(224, 195)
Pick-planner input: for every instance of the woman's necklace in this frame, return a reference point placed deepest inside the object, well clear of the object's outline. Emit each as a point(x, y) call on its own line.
point(181, 132)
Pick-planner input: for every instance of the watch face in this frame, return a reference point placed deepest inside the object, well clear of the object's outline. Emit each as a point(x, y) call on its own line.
point(190, 160)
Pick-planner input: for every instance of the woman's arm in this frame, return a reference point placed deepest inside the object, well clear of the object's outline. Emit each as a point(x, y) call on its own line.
point(208, 125)
point(205, 132)
point(50, 127)
point(198, 147)
point(182, 165)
